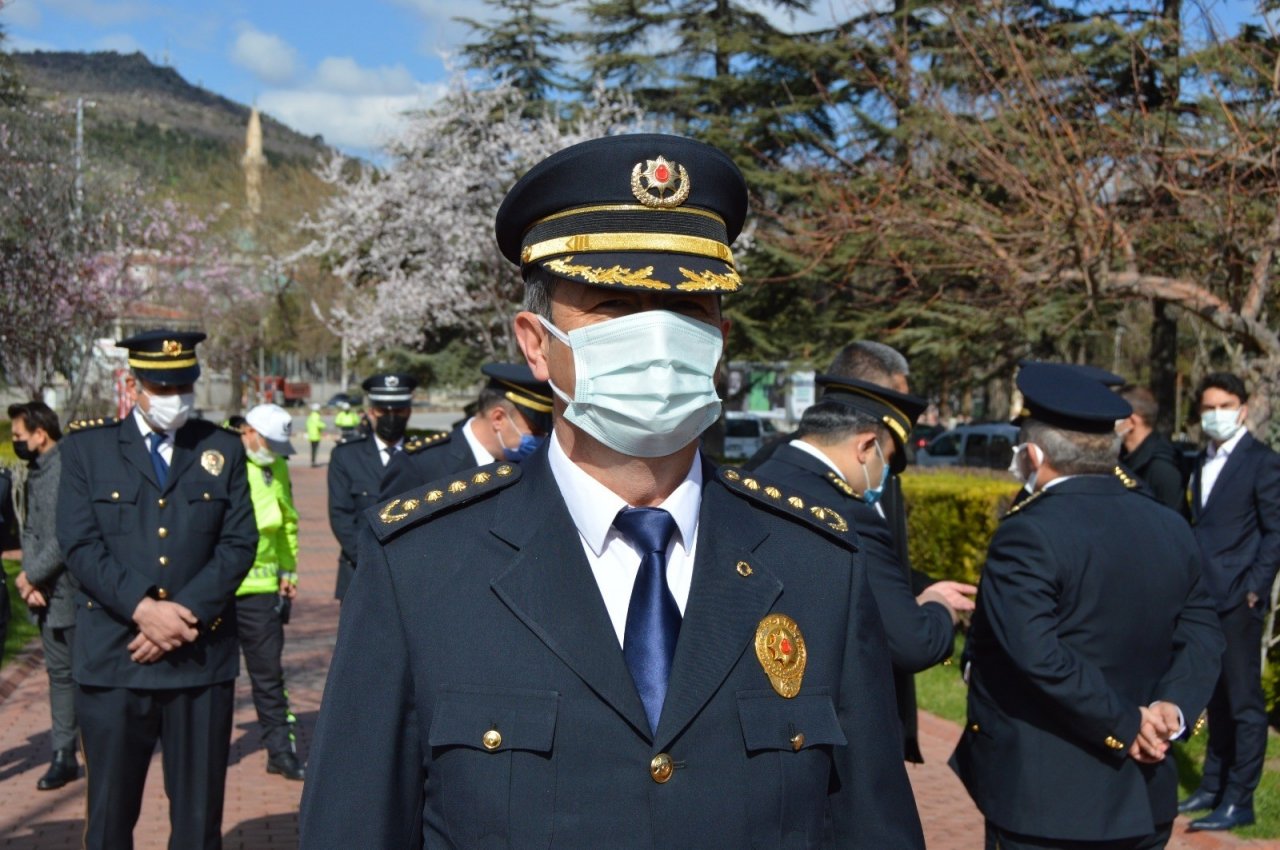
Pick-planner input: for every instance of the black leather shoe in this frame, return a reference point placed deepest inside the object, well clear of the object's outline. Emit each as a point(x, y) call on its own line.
point(288, 766)
point(61, 770)
point(1198, 801)
point(1226, 816)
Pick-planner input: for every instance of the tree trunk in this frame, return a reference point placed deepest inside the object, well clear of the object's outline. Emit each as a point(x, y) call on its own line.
point(1164, 364)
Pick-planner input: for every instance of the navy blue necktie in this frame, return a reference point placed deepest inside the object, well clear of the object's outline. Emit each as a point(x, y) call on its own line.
point(653, 619)
point(158, 462)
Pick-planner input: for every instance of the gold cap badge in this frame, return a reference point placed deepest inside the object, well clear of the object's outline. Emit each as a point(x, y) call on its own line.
point(212, 461)
point(781, 651)
point(172, 348)
point(660, 184)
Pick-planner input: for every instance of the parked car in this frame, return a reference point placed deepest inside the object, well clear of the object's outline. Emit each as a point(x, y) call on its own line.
point(343, 398)
point(920, 437)
point(988, 444)
point(745, 433)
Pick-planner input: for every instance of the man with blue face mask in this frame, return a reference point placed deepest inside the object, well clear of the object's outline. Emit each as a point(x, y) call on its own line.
point(155, 521)
point(512, 418)
point(613, 643)
point(1234, 508)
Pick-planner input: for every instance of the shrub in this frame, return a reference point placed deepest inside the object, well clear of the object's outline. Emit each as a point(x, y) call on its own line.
point(951, 517)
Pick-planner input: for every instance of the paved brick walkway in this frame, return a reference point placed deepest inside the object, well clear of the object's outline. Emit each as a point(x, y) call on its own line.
point(261, 810)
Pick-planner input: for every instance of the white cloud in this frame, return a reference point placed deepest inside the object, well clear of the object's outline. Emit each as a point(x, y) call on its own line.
point(102, 14)
point(268, 57)
point(353, 107)
point(120, 42)
point(20, 13)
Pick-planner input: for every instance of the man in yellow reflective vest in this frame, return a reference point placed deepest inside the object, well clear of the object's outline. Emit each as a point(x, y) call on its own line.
point(264, 598)
point(315, 431)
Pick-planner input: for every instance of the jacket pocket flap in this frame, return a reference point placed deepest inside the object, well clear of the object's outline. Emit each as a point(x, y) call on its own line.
point(770, 722)
point(495, 719)
point(208, 490)
point(116, 492)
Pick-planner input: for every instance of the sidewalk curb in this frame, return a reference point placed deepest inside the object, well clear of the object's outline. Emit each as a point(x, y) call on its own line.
point(29, 659)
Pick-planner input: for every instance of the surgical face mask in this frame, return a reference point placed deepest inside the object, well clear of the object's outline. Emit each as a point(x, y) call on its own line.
point(261, 455)
point(169, 412)
point(645, 382)
point(871, 495)
point(1020, 466)
point(528, 445)
point(1221, 425)
point(390, 428)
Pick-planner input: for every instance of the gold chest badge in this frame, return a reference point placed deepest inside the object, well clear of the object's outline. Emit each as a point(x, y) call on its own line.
point(781, 651)
point(212, 461)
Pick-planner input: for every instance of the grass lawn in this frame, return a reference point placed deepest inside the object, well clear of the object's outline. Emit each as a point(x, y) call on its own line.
point(940, 691)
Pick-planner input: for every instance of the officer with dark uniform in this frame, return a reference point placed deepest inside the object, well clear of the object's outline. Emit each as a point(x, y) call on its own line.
point(613, 643)
point(512, 418)
point(358, 464)
point(844, 449)
point(155, 522)
point(1093, 642)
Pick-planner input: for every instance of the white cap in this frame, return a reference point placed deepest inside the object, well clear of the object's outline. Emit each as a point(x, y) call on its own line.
point(275, 425)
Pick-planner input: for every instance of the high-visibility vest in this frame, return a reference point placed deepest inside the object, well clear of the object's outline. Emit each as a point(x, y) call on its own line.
point(277, 557)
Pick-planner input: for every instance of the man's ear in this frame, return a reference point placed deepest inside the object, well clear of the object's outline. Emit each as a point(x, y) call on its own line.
point(864, 446)
point(532, 339)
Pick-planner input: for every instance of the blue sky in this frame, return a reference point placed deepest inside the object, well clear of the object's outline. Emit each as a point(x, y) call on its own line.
point(345, 69)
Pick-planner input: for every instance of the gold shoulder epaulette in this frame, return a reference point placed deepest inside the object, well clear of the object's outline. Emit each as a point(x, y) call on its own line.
point(841, 485)
point(824, 519)
point(413, 445)
point(86, 424)
point(1126, 479)
point(416, 506)
point(1024, 504)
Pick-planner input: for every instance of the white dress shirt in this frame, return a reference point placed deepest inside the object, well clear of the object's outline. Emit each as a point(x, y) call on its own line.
point(481, 454)
point(384, 448)
point(614, 561)
point(1215, 457)
point(810, 449)
point(166, 446)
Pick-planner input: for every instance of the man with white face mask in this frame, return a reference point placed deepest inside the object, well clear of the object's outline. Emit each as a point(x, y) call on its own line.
point(155, 521)
point(1234, 508)
point(613, 643)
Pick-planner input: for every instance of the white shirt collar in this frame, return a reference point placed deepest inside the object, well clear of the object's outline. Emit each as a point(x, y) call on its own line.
point(593, 506)
point(384, 446)
point(481, 454)
point(144, 427)
point(1226, 448)
point(810, 449)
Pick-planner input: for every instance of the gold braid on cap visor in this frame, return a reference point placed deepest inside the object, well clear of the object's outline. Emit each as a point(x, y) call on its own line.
point(601, 243)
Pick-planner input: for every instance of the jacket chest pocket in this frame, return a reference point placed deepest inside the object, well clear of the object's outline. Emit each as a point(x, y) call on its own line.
point(206, 503)
point(789, 767)
point(492, 775)
point(115, 506)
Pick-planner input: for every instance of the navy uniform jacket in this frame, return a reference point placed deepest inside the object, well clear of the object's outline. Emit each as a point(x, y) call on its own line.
point(919, 636)
point(1090, 605)
point(124, 537)
point(427, 459)
point(1239, 529)
point(355, 476)
point(500, 711)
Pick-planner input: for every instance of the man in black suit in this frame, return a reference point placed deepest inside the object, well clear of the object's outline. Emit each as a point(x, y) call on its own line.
point(512, 418)
point(1146, 454)
point(154, 521)
point(1093, 641)
point(844, 449)
point(358, 464)
point(1234, 505)
point(612, 644)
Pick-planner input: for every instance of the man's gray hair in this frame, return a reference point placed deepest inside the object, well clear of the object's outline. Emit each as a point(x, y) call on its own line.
point(870, 361)
point(1073, 452)
point(828, 423)
point(539, 287)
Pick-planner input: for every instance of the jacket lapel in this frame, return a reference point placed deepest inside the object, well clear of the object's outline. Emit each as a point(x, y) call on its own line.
point(549, 586)
point(184, 454)
point(724, 606)
point(134, 449)
point(1230, 469)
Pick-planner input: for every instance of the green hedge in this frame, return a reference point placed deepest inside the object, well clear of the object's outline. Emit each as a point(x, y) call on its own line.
point(951, 517)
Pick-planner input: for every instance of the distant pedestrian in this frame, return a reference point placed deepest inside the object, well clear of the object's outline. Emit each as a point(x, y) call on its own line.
point(264, 597)
point(45, 584)
point(347, 421)
point(315, 431)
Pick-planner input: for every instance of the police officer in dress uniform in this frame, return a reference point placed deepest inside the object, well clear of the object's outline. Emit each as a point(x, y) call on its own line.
point(512, 418)
point(155, 522)
point(844, 449)
point(1093, 642)
point(613, 644)
point(358, 464)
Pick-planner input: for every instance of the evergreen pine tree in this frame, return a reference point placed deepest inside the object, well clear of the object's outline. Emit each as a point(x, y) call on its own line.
point(522, 43)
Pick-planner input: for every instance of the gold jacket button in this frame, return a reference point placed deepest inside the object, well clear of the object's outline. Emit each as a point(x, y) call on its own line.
point(206, 497)
point(164, 560)
point(115, 494)
point(160, 502)
point(161, 593)
point(660, 768)
point(163, 532)
point(975, 728)
point(797, 741)
point(1113, 743)
point(492, 740)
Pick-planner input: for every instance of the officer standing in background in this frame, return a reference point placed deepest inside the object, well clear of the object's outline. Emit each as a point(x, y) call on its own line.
point(45, 584)
point(347, 421)
point(842, 453)
point(613, 644)
point(357, 465)
point(1093, 642)
point(267, 592)
point(513, 416)
point(155, 521)
point(1149, 456)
